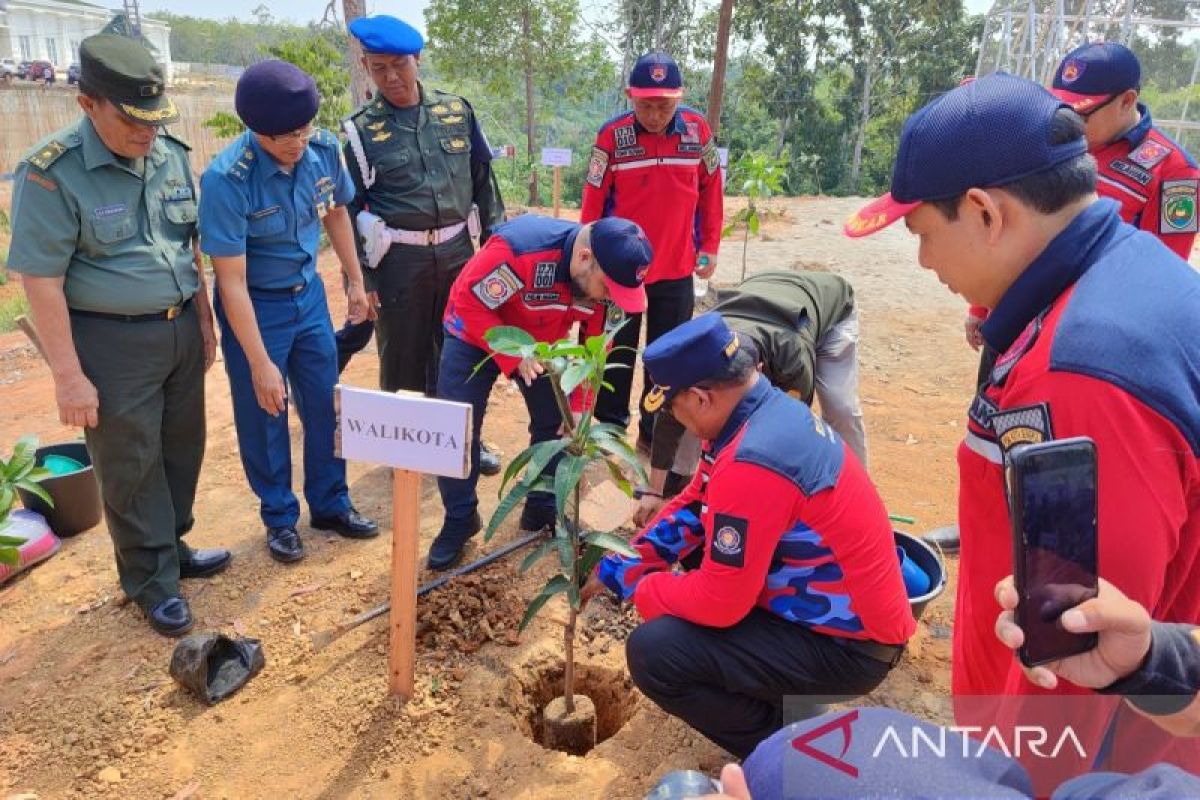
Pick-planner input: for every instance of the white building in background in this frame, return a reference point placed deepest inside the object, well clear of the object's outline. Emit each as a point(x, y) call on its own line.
point(52, 30)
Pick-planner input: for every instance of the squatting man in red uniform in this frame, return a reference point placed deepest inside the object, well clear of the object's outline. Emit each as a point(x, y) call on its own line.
point(791, 582)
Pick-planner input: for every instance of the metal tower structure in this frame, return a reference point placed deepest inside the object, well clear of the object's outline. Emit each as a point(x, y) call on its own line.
point(134, 16)
point(1030, 38)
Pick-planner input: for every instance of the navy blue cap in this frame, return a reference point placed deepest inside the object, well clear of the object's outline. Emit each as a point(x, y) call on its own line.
point(655, 75)
point(686, 355)
point(988, 132)
point(387, 36)
point(624, 254)
point(275, 97)
point(1091, 74)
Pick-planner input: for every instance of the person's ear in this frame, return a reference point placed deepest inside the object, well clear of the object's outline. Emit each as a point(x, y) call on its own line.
point(1129, 99)
point(983, 205)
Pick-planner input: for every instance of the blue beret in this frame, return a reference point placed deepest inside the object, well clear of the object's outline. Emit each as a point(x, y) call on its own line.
point(387, 36)
point(624, 254)
point(1091, 74)
point(686, 355)
point(274, 97)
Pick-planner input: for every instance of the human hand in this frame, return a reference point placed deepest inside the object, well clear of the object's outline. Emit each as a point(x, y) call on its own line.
point(971, 327)
point(529, 369)
point(358, 308)
point(704, 270)
point(648, 506)
point(733, 785)
point(269, 388)
point(78, 401)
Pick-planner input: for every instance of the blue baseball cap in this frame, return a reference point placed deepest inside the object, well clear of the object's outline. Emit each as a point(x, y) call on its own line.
point(274, 97)
point(988, 132)
point(624, 255)
point(1093, 74)
point(387, 36)
point(655, 75)
point(686, 355)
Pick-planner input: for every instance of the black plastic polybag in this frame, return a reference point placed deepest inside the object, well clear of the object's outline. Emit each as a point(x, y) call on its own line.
point(213, 666)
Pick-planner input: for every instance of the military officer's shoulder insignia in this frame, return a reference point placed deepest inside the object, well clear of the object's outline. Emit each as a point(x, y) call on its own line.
point(440, 108)
point(1177, 207)
point(495, 288)
point(375, 126)
point(240, 168)
point(47, 154)
point(597, 166)
point(455, 144)
point(324, 138)
point(381, 136)
point(1150, 153)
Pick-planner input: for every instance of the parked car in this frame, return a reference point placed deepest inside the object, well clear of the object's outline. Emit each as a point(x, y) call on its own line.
point(23, 70)
point(73, 74)
point(37, 70)
point(8, 68)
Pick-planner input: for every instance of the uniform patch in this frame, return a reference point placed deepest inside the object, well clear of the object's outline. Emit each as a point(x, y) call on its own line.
point(42, 181)
point(728, 540)
point(625, 136)
point(614, 315)
point(115, 210)
point(712, 158)
point(1072, 70)
point(1023, 425)
point(631, 152)
point(597, 166)
point(382, 136)
point(658, 73)
point(981, 411)
point(1009, 358)
point(1150, 153)
point(456, 105)
point(1131, 171)
point(1178, 207)
point(689, 148)
point(692, 134)
point(43, 158)
point(497, 286)
point(543, 274)
point(541, 297)
point(375, 126)
point(266, 212)
point(451, 119)
point(440, 109)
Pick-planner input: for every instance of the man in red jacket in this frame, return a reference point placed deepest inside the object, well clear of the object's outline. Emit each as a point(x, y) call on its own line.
point(541, 275)
point(658, 166)
point(798, 594)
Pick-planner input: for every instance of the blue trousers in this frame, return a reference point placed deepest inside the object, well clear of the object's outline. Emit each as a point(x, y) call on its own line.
point(298, 334)
point(455, 382)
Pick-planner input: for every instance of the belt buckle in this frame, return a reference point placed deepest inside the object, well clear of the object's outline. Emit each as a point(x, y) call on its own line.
point(173, 312)
point(431, 237)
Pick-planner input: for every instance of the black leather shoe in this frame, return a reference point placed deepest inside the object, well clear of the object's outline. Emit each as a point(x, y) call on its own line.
point(204, 563)
point(351, 524)
point(489, 462)
point(536, 518)
point(284, 544)
point(446, 550)
point(945, 538)
point(171, 617)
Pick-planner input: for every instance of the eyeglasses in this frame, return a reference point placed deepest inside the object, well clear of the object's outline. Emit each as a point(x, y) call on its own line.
point(302, 135)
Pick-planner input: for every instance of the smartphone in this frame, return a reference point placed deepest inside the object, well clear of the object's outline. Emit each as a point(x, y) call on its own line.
point(1052, 502)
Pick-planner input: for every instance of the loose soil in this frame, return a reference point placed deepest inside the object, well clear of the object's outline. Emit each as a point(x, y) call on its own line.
point(87, 708)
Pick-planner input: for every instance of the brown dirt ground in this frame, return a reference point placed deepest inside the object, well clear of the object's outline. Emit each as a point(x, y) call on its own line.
point(84, 688)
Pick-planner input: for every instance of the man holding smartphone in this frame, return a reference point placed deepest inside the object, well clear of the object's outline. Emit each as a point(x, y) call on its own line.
point(1096, 325)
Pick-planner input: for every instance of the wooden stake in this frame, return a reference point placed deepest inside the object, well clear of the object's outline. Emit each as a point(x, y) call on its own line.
point(557, 189)
point(406, 522)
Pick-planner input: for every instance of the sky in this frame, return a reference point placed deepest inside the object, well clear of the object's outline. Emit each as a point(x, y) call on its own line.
point(411, 11)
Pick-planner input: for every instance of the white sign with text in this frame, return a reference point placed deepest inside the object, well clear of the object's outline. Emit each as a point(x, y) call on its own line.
point(556, 156)
point(405, 430)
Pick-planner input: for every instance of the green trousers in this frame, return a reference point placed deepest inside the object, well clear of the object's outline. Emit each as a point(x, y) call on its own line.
point(149, 443)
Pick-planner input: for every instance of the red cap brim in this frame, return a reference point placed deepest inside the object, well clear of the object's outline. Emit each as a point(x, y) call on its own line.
point(631, 301)
point(1081, 103)
point(651, 91)
point(876, 215)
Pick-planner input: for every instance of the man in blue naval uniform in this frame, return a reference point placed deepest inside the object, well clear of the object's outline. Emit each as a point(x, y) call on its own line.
point(263, 203)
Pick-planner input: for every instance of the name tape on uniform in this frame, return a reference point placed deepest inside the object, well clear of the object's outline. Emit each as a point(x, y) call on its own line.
point(404, 430)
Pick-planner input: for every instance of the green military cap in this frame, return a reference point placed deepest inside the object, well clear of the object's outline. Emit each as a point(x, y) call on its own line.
point(123, 71)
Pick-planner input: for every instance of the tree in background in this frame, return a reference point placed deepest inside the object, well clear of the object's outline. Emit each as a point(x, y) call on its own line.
point(523, 52)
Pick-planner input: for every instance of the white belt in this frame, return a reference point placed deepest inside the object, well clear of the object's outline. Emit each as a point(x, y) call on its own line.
point(427, 238)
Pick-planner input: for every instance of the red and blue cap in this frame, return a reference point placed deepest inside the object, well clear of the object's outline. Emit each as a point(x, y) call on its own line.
point(1093, 74)
point(274, 97)
point(624, 255)
point(655, 75)
point(686, 355)
point(385, 35)
point(989, 132)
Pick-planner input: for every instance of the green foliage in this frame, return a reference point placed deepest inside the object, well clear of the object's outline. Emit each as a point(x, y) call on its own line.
point(569, 366)
point(11, 307)
point(20, 471)
point(759, 177)
point(228, 41)
point(224, 124)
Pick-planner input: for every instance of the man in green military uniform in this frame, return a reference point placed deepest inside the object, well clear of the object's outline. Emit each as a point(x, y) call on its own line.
point(804, 327)
point(419, 162)
point(104, 226)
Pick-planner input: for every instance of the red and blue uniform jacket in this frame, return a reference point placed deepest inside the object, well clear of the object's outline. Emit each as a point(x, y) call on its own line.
point(522, 277)
point(1099, 337)
point(789, 522)
point(669, 183)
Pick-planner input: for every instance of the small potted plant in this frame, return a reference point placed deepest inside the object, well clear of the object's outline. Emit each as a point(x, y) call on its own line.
point(569, 721)
point(24, 537)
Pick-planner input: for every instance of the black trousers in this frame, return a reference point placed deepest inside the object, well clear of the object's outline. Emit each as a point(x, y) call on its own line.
point(730, 684)
point(669, 305)
point(414, 283)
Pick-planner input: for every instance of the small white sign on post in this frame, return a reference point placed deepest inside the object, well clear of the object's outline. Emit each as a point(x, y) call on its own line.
point(414, 434)
point(406, 431)
point(556, 156)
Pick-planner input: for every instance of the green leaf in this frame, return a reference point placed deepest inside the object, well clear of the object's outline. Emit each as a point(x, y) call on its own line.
point(481, 364)
point(9, 556)
point(12, 541)
point(574, 375)
point(537, 555)
point(625, 454)
point(7, 498)
point(36, 489)
point(587, 564)
point(510, 341)
point(612, 542)
point(505, 508)
point(597, 345)
point(754, 224)
point(619, 478)
point(542, 454)
point(566, 478)
point(23, 458)
point(555, 585)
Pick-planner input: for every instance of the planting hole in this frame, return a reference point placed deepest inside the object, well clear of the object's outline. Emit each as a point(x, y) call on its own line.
point(610, 690)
